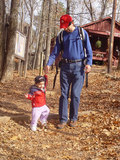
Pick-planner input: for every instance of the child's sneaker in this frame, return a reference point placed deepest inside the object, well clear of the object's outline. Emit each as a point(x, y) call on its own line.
point(45, 125)
point(33, 128)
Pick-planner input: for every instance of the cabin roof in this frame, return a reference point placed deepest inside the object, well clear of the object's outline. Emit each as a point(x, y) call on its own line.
point(102, 27)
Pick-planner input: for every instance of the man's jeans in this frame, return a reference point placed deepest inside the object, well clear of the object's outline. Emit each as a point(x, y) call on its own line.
point(71, 74)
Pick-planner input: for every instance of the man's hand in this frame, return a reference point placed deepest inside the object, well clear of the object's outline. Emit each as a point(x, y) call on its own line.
point(46, 70)
point(87, 68)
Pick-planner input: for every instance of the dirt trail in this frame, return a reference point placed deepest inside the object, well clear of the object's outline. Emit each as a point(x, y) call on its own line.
point(96, 137)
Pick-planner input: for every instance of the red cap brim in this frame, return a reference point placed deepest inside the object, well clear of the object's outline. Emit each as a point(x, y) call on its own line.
point(64, 25)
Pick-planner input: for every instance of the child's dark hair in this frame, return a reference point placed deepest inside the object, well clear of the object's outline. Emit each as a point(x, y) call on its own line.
point(39, 79)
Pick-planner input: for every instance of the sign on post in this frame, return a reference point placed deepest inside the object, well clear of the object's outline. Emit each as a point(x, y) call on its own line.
point(20, 45)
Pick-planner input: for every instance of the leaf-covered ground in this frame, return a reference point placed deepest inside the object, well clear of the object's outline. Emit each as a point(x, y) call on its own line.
point(96, 137)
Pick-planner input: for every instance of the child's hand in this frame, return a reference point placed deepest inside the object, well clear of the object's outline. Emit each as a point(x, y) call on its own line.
point(26, 95)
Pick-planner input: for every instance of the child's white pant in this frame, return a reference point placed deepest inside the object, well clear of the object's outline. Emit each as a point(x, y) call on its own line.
point(39, 113)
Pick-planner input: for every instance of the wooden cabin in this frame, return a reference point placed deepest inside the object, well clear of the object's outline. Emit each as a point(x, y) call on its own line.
point(99, 33)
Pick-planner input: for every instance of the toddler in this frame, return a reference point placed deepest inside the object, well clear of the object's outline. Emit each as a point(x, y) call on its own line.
point(38, 98)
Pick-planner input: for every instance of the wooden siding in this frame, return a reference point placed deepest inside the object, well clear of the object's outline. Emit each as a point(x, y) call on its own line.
point(102, 27)
point(101, 30)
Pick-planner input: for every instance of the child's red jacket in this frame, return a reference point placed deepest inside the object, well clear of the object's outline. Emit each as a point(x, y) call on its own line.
point(38, 96)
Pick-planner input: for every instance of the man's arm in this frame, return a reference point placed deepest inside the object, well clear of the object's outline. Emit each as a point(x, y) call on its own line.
point(88, 51)
point(54, 53)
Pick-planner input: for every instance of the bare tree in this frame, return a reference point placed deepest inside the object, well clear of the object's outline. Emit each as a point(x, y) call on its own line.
point(8, 68)
point(31, 7)
point(55, 20)
point(2, 15)
point(41, 34)
point(49, 31)
point(112, 36)
point(103, 5)
point(22, 15)
point(86, 11)
point(90, 8)
point(68, 7)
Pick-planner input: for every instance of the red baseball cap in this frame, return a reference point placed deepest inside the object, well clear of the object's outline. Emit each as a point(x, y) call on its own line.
point(65, 21)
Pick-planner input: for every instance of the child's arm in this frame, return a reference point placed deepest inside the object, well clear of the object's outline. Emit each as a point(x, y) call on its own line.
point(29, 96)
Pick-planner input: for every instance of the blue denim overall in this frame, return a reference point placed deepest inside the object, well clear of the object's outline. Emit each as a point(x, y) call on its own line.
point(71, 74)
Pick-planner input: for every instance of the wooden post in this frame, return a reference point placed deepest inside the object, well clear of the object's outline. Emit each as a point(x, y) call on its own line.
point(118, 67)
point(19, 66)
point(112, 37)
point(41, 64)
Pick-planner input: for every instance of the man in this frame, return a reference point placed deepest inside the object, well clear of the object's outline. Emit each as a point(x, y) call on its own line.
point(73, 69)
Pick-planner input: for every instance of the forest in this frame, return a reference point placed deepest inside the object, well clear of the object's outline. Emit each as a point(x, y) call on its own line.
point(28, 29)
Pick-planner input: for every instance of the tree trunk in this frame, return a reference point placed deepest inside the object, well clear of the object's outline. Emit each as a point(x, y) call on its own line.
point(8, 68)
point(68, 7)
point(55, 24)
point(90, 8)
point(22, 16)
point(28, 43)
point(49, 30)
point(40, 43)
point(103, 7)
point(37, 42)
point(2, 13)
point(112, 37)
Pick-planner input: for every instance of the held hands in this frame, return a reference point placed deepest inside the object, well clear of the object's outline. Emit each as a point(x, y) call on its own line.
point(46, 70)
point(87, 68)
